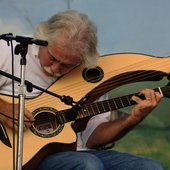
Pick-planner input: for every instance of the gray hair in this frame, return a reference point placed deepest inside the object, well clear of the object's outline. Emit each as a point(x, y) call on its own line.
point(78, 32)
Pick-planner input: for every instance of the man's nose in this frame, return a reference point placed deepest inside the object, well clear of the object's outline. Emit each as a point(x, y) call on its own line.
point(55, 67)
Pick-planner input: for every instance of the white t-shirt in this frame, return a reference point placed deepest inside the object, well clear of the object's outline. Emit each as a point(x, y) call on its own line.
point(91, 125)
point(33, 70)
point(35, 75)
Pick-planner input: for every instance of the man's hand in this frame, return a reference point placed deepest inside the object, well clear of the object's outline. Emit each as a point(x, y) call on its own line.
point(7, 110)
point(144, 107)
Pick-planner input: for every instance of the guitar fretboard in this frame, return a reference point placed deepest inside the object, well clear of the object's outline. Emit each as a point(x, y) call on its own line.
point(106, 105)
point(95, 108)
point(91, 109)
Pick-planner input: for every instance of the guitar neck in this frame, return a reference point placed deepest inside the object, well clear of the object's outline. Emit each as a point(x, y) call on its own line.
point(113, 104)
point(91, 109)
point(95, 108)
point(107, 105)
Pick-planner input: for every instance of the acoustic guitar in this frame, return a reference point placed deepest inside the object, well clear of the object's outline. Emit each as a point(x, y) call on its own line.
point(52, 131)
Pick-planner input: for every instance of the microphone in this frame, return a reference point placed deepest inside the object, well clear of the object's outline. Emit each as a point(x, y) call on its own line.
point(22, 39)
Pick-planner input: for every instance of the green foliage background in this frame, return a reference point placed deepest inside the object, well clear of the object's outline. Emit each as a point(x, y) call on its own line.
point(151, 137)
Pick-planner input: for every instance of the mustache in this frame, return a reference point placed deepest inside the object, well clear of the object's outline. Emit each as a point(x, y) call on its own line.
point(48, 70)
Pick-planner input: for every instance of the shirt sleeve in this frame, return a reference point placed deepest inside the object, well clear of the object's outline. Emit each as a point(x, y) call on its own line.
point(5, 61)
point(93, 123)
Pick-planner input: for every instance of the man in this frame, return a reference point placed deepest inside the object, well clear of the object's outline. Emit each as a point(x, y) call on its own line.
point(72, 41)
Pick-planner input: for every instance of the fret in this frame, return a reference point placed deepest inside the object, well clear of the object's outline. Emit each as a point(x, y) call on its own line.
point(92, 109)
point(83, 112)
point(128, 100)
point(118, 102)
point(89, 108)
point(86, 110)
point(115, 105)
point(121, 101)
point(106, 106)
point(101, 107)
point(80, 114)
point(95, 108)
point(109, 105)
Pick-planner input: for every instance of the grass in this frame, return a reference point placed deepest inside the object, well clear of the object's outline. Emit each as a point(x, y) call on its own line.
point(149, 141)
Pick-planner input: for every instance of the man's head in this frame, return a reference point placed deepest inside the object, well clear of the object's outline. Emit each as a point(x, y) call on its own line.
point(72, 40)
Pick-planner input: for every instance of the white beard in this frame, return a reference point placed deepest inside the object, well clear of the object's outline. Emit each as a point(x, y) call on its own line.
point(48, 70)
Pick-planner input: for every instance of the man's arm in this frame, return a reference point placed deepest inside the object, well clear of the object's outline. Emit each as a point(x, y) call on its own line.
point(6, 109)
point(113, 130)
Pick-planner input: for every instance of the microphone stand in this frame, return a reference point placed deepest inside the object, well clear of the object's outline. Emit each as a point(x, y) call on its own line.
point(22, 49)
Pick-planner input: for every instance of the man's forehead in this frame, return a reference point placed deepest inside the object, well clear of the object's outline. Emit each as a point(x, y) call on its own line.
point(64, 55)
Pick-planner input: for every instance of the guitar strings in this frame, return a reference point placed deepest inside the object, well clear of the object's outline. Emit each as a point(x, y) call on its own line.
point(77, 84)
point(144, 74)
point(140, 75)
point(99, 90)
point(121, 80)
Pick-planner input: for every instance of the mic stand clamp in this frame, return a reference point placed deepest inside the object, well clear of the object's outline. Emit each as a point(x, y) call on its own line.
point(76, 107)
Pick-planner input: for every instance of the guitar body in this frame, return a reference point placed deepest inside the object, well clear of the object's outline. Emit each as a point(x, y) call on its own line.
point(35, 148)
point(118, 69)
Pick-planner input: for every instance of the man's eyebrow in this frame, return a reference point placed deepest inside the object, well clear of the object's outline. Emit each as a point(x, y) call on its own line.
point(56, 58)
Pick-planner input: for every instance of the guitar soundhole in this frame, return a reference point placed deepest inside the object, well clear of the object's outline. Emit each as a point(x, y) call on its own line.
point(46, 124)
point(93, 75)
